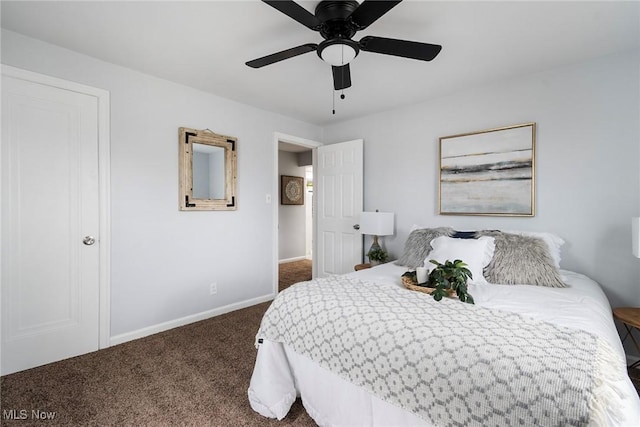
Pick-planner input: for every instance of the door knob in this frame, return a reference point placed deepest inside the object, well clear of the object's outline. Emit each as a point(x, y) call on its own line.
point(89, 240)
point(356, 227)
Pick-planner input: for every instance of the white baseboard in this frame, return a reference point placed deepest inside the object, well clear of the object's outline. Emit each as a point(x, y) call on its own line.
point(161, 327)
point(298, 258)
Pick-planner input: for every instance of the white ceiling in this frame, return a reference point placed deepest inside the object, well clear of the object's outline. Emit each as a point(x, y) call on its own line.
point(204, 44)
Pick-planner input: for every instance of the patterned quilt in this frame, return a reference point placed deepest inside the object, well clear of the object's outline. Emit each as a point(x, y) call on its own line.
point(448, 362)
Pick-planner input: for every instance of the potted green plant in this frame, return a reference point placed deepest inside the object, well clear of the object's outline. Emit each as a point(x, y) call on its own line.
point(377, 256)
point(450, 277)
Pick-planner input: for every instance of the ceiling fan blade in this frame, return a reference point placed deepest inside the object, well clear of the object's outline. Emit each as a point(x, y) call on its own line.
point(370, 10)
point(280, 56)
point(403, 48)
point(296, 12)
point(341, 77)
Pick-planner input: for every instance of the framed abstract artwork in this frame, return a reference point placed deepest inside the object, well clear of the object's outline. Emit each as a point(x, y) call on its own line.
point(490, 172)
point(291, 190)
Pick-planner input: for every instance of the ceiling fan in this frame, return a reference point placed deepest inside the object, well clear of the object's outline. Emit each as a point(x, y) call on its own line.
point(337, 22)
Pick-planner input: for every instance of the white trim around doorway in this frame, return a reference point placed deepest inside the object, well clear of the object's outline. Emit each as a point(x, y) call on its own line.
point(277, 138)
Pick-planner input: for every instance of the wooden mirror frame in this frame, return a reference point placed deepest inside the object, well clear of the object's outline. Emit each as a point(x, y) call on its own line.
point(187, 137)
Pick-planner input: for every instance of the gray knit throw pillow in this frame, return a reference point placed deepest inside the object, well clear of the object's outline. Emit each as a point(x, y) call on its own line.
point(521, 260)
point(418, 245)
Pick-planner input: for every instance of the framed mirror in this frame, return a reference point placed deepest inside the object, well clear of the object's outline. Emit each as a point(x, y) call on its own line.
point(208, 165)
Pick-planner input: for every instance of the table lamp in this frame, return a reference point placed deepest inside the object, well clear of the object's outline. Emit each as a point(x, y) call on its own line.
point(376, 224)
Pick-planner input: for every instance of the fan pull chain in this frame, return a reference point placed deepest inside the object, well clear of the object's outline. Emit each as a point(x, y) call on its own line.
point(342, 84)
point(342, 73)
point(333, 92)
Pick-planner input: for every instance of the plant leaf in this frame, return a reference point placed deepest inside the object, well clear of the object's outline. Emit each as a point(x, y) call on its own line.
point(450, 276)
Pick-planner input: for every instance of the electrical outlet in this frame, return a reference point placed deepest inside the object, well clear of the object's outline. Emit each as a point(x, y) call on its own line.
point(213, 288)
point(267, 198)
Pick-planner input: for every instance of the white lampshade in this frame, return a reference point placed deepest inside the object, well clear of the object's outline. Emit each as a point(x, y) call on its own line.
point(338, 54)
point(635, 236)
point(376, 223)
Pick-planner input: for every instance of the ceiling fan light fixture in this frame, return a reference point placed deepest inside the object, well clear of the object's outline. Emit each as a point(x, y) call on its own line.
point(338, 52)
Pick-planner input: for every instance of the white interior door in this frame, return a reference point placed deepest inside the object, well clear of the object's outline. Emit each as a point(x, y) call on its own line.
point(50, 223)
point(339, 178)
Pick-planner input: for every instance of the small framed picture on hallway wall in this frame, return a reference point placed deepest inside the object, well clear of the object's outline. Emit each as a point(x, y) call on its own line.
point(291, 190)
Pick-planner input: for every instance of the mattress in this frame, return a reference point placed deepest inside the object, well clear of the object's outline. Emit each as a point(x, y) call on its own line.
point(281, 374)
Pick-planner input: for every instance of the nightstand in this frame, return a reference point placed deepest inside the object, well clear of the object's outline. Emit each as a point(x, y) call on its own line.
point(361, 266)
point(630, 318)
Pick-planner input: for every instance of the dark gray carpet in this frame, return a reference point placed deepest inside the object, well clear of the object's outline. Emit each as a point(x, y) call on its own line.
point(196, 375)
point(293, 272)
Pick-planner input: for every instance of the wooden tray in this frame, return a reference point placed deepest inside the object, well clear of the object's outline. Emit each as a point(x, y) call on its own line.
point(413, 285)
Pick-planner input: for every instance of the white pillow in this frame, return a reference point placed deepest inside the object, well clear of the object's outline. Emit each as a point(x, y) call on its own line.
point(476, 253)
point(553, 241)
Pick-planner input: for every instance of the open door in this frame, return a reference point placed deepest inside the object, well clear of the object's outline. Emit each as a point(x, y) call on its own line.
point(339, 186)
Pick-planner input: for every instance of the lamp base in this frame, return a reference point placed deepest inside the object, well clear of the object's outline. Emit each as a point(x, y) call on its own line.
point(374, 247)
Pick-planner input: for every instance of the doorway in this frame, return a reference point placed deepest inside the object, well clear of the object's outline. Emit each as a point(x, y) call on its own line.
point(295, 221)
point(294, 228)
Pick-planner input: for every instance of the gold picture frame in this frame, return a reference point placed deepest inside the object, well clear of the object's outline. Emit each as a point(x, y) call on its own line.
point(291, 190)
point(490, 172)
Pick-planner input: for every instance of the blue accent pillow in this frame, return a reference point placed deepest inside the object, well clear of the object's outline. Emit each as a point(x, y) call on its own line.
point(464, 235)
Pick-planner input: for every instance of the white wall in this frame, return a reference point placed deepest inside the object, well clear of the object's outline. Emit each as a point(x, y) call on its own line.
point(292, 218)
point(162, 259)
point(587, 161)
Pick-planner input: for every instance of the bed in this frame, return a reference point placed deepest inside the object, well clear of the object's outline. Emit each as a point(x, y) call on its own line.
point(545, 353)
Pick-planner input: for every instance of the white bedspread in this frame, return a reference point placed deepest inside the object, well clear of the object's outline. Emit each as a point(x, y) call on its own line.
point(280, 374)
